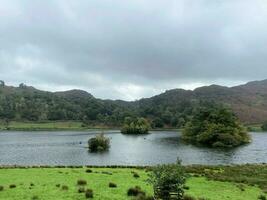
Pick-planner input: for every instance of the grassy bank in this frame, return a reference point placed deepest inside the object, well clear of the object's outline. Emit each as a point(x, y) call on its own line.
point(61, 183)
point(49, 125)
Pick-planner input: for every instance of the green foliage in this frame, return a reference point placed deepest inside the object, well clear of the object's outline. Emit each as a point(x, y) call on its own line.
point(99, 143)
point(135, 126)
point(168, 179)
point(264, 126)
point(215, 126)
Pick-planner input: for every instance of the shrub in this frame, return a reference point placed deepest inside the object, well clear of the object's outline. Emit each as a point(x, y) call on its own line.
point(186, 187)
point(112, 185)
point(135, 126)
point(168, 179)
point(58, 185)
point(135, 191)
point(264, 126)
point(262, 197)
point(81, 182)
point(12, 186)
point(99, 143)
point(135, 175)
point(188, 197)
point(215, 126)
point(35, 197)
point(64, 187)
point(81, 190)
point(89, 193)
point(89, 171)
point(1, 188)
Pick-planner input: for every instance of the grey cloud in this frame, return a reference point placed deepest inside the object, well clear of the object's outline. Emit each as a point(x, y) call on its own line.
point(130, 49)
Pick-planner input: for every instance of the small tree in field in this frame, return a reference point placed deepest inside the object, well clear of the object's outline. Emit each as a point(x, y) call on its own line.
point(168, 181)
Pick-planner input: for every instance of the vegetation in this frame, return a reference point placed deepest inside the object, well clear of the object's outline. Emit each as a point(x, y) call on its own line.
point(173, 108)
point(135, 126)
point(99, 143)
point(221, 183)
point(264, 126)
point(215, 126)
point(168, 181)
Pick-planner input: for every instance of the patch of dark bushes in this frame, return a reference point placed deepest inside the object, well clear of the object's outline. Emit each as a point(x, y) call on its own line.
point(262, 197)
point(64, 187)
point(99, 143)
point(12, 186)
point(135, 191)
point(135, 175)
point(188, 197)
point(81, 182)
point(35, 197)
point(81, 190)
point(1, 188)
point(58, 185)
point(112, 185)
point(89, 193)
point(89, 171)
point(186, 187)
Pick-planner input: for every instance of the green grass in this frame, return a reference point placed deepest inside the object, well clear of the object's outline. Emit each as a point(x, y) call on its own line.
point(251, 174)
point(57, 125)
point(46, 179)
point(215, 190)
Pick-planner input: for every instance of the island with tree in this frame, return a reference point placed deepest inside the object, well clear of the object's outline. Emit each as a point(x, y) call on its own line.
point(215, 125)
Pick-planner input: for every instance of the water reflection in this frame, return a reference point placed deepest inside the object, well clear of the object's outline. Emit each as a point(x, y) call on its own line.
point(70, 148)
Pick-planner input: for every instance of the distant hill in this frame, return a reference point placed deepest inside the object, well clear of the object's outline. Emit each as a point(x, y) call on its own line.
point(171, 108)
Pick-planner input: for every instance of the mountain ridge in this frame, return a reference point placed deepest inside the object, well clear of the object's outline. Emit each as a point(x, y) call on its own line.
point(248, 101)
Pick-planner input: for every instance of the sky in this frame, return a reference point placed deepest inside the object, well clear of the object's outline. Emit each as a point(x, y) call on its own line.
point(118, 49)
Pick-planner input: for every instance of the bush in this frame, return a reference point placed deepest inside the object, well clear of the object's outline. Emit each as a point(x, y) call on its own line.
point(135, 175)
point(81, 182)
point(81, 190)
point(262, 197)
point(264, 126)
point(89, 171)
point(64, 187)
point(1, 188)
point(99, 143)
point(215, 126)
point(89, 193)
point(168, 179)
point(35, 197)
point(12, 186)
point(135, 191)
point(188, 197)
point(135, 126)
point(112, 185)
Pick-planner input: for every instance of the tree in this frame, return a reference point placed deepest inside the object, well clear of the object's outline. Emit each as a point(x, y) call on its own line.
point(214, 125)
point(264, 126)
point(135, 126)
point(168, 181)
point(2, 83)
point(99, 143)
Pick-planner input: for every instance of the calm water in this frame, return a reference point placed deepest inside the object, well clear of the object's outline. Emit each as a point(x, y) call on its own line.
point(70, 148)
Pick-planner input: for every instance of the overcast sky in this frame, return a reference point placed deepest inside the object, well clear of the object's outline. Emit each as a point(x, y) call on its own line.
point(127, 49)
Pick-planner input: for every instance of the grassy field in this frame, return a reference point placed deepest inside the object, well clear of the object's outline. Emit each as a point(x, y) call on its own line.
point(61, 183)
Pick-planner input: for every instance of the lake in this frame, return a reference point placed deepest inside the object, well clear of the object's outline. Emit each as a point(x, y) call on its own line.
point(70, 148)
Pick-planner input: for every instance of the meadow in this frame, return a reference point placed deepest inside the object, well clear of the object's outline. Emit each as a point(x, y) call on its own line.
point(64, 183)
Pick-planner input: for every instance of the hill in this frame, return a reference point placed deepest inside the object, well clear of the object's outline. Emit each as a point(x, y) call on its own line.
point(171, 108)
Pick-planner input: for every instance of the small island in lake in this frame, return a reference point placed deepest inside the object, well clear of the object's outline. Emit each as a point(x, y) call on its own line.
point(215, 126)
point(135, 126)
point(99, 143)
